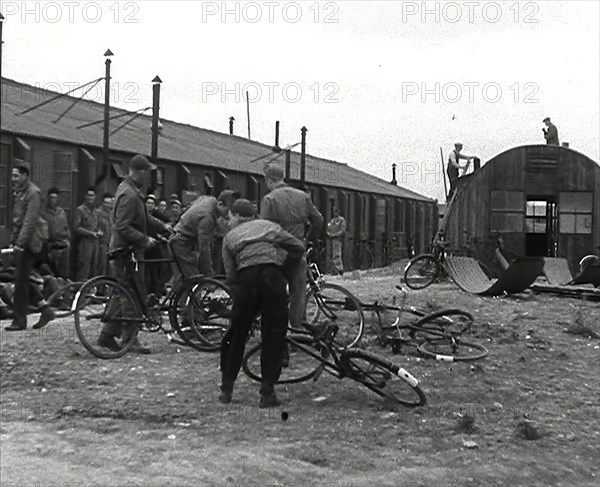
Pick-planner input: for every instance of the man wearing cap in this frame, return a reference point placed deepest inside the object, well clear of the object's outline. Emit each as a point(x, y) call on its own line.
point(254, 252)
point(105, 227)
point(86, 229)
point(59, 235)
point(550, 132)
point(293, 210)
point(174, 211)
point(131, 225)
point(454, 166)
point(27, 241)
point(194, 233)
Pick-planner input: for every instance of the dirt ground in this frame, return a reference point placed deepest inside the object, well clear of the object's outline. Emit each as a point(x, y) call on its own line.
point(526, 415)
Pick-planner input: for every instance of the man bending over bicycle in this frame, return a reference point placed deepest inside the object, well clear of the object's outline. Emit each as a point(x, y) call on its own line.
point(254, 252)
point(131, 227)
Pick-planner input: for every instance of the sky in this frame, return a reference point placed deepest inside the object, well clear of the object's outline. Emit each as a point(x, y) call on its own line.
point(375, 83)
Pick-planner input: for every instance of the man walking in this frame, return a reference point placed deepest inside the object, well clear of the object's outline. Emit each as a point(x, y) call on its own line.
point(194, 233)
point(86, 228)
point(254, 252)
point(336, 230)
point(59, 235)
point(105, 228)
point(293, 210)
point(27, 241)
point(550, 132)
point(131, 224)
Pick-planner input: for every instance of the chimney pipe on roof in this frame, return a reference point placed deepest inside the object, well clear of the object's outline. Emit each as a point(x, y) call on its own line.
point(231, 119)
point(276, 147)
point(155, 117)
point(565, 144)
point(394, 182)
point(303, 131)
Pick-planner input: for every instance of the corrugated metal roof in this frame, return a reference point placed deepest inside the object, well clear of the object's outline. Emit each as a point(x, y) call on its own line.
point(177, 142)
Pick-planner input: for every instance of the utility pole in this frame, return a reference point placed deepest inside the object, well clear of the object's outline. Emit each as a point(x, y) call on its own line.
point(105, 148)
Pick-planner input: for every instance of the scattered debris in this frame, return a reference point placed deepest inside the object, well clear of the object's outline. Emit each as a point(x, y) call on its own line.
point(469, 444)
point(527, 430)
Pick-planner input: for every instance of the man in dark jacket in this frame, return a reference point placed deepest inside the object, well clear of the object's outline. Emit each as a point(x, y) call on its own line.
point(27, 245)
point(294, 211)
point(550, 132)
point(192, 242)
point(254, 252)
point(59, 235)
point(131, 225)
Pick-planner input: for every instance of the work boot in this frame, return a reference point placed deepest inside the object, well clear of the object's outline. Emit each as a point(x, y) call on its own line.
point(130, 337)
point(268, 400)
point(5, 314)
point(108, 341)
point(48, 314)
point(16, 325)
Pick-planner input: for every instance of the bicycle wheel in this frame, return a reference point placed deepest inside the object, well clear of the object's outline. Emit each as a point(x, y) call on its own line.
point(452, 350)
point(421, 271)
point(445, 323)
point(62, 299)
point(384, 378)
point(200, 313)
point(302, 366)
point(334, 303)
point(100, 301)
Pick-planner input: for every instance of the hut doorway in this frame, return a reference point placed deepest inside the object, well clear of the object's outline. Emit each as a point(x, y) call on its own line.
point(541, 227)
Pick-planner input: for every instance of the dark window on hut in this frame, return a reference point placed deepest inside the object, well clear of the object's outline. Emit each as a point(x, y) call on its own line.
point(535, 217)
point(208, 184)
point(575, 212)
point(507, 211)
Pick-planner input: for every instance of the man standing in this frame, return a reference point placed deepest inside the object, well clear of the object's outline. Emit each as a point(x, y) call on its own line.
point(254, 252)
point(59, 235)
point(131, 224)
point(550, 132)
point(174, 212)
point(27, 241)
point(293, 210)
point(157, 273)
point(192, 242)
point(454, 166)
point(336, 230)
point(105, 228)
point(86, 228)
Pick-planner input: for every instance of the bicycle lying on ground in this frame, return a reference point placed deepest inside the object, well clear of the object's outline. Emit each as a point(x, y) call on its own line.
point(436, 335)
point(193, 307)
point(385, 378)
point(59, 300)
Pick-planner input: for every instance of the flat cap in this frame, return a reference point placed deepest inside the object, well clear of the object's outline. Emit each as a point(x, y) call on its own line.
point(141, 163)
point(547, 119)
point(274, 172)
point(243, 208)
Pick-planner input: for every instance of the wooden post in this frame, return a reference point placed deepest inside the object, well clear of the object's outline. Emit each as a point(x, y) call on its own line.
point(248, 113)
point(231, 120)
point(444, 175)
point(105, 142)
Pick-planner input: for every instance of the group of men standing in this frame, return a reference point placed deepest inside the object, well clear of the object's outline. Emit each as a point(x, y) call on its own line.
point(262, 256)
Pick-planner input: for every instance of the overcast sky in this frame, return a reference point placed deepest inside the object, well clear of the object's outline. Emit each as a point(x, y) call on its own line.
point(374, 82)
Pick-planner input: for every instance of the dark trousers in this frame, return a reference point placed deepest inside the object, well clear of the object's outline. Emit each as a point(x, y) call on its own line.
point(87, 258)
point(260, 288)
point(453, 184)
point(124, 272)
point(24, 262)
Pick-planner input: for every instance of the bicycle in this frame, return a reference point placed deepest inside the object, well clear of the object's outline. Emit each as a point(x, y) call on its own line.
point(334, 303)
point(378, 374)
point(436, 334)
point(423, 270)
point(193, 306)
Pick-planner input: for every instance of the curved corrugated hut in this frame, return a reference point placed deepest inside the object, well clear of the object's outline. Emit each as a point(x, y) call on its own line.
point(544, 201)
